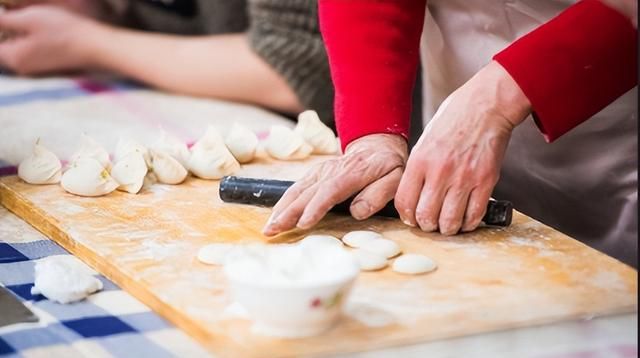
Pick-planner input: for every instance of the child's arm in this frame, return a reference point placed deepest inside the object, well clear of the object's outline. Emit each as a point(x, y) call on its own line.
point(220, 66)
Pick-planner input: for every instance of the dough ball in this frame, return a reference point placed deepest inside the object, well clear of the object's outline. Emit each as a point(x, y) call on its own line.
point(321, 240)
point(359, 238)
point(64, 279)
point(369, 261)
point(413, 264)
point(383, 247)
point(215, 254)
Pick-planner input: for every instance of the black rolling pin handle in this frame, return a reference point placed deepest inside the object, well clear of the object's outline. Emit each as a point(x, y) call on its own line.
point(266, 192)
point(260, 192)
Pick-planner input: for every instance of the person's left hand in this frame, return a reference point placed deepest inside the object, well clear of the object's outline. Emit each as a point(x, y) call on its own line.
point(44, 39)
point(455, 165)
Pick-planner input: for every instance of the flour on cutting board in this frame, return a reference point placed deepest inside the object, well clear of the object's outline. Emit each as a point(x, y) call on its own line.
point(608, 280)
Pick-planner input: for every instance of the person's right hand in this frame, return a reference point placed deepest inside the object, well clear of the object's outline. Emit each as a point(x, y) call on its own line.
point(45, 39)
point(371, 165)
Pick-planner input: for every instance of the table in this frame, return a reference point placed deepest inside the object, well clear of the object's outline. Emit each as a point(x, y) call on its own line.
point(59, 109)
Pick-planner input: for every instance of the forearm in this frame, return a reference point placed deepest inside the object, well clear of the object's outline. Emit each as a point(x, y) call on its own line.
point(373, 50)
point(575, 65)
point(220, 66)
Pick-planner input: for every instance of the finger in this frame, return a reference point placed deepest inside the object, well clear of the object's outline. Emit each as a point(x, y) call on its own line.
point(15, 21)
point(452, 212)
point(375, 195)
point(294, 191)
point(429, 205)
point(331, 193)
point(289, 216)
point(408, 194)
point(356, 172)
point(476, 208)
point(9, 53)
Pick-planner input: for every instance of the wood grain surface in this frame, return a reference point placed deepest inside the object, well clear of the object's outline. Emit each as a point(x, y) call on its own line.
point(488, 280)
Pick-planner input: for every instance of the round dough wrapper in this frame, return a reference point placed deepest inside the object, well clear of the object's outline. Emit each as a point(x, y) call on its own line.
point(369, 261)
point(413, 264)
point(215, 254)
point(382, 247)
point(321, 240)
point(361, 237)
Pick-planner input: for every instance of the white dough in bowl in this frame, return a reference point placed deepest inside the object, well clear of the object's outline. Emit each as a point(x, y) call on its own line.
point(314, 240)
point(358, 238)
point(215, 254)
point(292, 290)
point(369, 261)
point(413, 264)
point(382, 247)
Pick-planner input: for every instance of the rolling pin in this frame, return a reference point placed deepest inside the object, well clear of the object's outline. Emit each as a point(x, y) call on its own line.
point(267, 192)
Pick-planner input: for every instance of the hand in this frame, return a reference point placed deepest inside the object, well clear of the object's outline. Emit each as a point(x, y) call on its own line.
point(455, 165)
point(45, 39)
point(90, 8)
point(371, 165)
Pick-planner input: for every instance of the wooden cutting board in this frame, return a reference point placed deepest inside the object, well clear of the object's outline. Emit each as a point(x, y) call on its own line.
point(487, 280)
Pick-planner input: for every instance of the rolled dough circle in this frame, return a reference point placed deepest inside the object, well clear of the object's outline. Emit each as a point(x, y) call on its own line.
point(361, 237)
point(413, 264)
point(215, 254)
point(382, 247)
point(369, 261)
point(321, 240)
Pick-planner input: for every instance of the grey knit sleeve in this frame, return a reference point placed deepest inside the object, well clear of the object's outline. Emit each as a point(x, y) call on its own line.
point(286, 34)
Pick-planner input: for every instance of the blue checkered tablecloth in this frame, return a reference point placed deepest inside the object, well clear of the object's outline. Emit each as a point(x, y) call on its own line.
point(109, 323)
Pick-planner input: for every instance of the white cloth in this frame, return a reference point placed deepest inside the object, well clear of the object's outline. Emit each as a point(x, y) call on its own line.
point(585, 183)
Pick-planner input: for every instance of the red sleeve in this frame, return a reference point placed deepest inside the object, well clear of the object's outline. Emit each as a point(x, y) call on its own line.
point(373, 48)
point(575, 65)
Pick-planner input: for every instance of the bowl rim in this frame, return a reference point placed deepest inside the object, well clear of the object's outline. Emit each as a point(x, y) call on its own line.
point(342, 279)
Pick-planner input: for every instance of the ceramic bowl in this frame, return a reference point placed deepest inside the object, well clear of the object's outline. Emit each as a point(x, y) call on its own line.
point(306, 305)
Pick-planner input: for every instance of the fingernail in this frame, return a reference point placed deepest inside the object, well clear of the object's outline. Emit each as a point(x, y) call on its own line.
point(273, 219)
point(408, 223)
point(360, 209)
point(406, 214)
point(304, 222)
point(427, 226)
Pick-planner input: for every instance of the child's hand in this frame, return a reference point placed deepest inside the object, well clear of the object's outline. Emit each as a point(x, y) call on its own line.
point(46, 39)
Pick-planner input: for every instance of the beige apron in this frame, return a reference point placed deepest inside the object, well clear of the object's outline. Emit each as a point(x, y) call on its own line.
point(583, 184)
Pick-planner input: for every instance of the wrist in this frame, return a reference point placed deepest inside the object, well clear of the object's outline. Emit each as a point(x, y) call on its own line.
point(507, 98)
point(93, 42)
point(378, 141)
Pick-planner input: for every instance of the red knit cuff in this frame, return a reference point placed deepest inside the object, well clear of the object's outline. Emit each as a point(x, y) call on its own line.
point(373, 49)
point(574, 66)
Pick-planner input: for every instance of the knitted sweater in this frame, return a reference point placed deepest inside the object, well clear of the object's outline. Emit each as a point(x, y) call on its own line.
point(285, 33)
